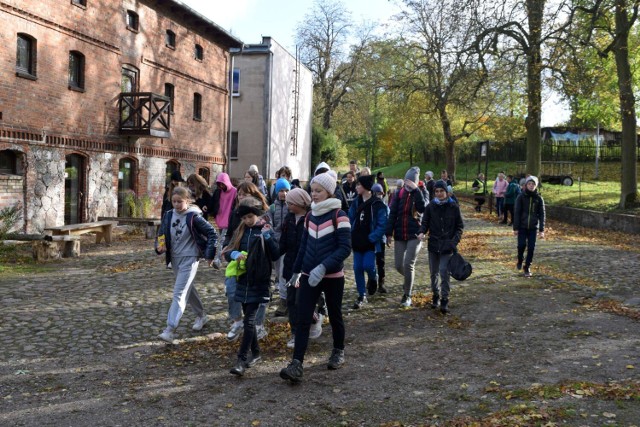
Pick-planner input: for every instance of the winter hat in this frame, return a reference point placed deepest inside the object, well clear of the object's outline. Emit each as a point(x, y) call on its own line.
point(298, 197)
point(253, 168)
point(282, 184)
point(366, 181)
point(532, 178)
point(413, 174)
point(377, 188)
point(429, 174)
point(175, 176)
point(250, 205)
point(440, 184)
point(327, 181)
point(322, 165)
point(399, 183)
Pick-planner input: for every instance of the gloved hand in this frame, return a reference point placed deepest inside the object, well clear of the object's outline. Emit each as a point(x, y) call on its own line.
point(316, 275)
point(294, 279)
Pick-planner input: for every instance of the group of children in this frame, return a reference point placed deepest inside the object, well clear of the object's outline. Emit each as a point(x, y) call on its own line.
point(307, 236)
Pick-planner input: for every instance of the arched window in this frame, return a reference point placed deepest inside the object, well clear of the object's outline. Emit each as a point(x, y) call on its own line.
point(197, 106)
point(172, 166)
point(76, 70)
point(8, 162)
point(204, 172)
point(26, 56)
point(199, 52)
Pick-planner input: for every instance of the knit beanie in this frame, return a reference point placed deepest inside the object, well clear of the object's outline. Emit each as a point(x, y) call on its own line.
point(440, 184)
point(399, 183)
point(322, 165)
point(253, 168)
point(250, 205)
point(532, 178)
point(298, 197)
point(413, 174)
point(366, 181)
point(327, 181)
point(282, 184)
point(377, 188)
point(429, 174)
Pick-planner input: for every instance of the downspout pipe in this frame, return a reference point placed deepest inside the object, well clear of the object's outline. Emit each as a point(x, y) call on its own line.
point(232, 53)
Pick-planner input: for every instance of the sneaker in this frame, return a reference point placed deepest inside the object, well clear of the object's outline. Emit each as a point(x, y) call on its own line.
point(293, 372)
point(444, 306)
point(336, 360)
point(316, 328)
point(527, 272)
point(282, 309)
point(255, 359)
point(235, 331)
point(200, 322)
point(261, 332)
point(167, 335)
point(406, 301)
point(372, 286)
point(519, 265)
point(435, 300)
point(216, 264)
point(239, 368)
point(360, 302)
point(292, 342)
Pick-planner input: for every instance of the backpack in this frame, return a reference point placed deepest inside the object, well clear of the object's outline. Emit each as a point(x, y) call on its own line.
point(460, 269)
point(258, 263)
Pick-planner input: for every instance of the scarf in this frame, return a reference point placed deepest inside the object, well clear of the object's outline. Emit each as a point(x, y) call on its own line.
point(321, 208)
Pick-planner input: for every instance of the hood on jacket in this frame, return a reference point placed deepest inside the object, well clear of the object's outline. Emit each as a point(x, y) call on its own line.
point(223, 178)
point(320, 166)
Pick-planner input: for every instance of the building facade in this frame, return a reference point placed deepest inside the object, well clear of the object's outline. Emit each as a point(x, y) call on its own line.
point(271, 115)
point(103, 100)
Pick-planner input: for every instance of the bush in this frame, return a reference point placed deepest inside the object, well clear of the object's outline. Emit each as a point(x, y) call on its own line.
point(140, 207)
point(9, 217)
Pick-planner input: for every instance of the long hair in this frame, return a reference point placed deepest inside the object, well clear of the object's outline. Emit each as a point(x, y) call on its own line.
point(172, 186)
point(234, 243)
point(199, 184)
point(255, 178)
point(250, 189)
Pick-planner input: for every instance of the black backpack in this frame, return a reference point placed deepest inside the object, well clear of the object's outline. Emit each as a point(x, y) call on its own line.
point(258, 263)
point(460, 269)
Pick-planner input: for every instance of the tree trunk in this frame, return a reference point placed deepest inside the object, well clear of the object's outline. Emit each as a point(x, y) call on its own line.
point(629, 183)
point(535, 9)
point(449, 144)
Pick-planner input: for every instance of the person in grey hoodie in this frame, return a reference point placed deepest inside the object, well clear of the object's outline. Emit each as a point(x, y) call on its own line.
point(187, 237)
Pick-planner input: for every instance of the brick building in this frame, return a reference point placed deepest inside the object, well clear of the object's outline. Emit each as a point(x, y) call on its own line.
point(101, 98)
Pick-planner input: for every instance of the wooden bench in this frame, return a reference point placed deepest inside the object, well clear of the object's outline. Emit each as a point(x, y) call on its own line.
point(47, 247)
point(103, 230)
point(151, 224)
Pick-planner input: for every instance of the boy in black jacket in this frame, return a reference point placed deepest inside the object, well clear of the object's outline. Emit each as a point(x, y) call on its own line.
point(443, 221)
point(528, 219)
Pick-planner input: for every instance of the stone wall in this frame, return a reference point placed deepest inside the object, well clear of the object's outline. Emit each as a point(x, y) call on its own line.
point(45, 203)
point(593, 219)
point(103, 200)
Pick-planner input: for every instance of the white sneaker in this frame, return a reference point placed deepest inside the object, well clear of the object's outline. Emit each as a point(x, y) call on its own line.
point(316, 328)
point(261, 331)
point(200, 322)
point(292, 342)
point(407, 302)
point(235, 331)
point(167, 335)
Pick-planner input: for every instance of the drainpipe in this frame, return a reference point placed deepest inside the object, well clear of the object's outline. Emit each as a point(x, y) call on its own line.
point(269, 112)
point(232, 53)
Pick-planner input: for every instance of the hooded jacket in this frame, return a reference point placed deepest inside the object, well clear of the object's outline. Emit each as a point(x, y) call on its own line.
point(529, 211)
point(223, 201)
point(405, 214)
point(377, 213)
point(201, 231)
point(443, 222)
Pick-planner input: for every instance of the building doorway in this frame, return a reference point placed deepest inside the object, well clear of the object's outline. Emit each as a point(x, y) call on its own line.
point(126, 186)
point(74, 183)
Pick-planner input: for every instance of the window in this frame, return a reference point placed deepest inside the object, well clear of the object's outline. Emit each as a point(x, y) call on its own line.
point(233, 146)
point(199, 52)
point(8, 162)
point(204, 172)
point(133, 22)
point(236, 82)
point(197, 106)
point(170, 39)
point(169, 92)
point(172, 166)
point(82, 3)
point(76, 70)
point(26, 56)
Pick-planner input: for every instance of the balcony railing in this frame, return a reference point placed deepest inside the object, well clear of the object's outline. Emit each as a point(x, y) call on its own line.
point(145, 114)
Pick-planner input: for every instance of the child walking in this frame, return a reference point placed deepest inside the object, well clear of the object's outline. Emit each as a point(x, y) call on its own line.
point(277, 212)
point(187, 237)
point(326, 243)
point(223, 203)
point(255, 237)
point(528, 220)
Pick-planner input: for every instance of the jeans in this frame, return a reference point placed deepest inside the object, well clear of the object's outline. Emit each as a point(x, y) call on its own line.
point(292, 303)
point(405, 255)
point(363, 261)
point(333, 289)
point(221, 236)
point(508, 208)
point(439, 266)
point(499, 206)
point(526, 238)
point(250, 336)
point(185, 269)
point(281, 283)
point(234, 307)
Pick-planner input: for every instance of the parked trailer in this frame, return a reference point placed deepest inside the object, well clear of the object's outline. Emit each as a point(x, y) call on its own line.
point(551, 172)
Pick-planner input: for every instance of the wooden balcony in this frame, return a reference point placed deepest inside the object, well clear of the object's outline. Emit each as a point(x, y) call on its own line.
point(144, 114)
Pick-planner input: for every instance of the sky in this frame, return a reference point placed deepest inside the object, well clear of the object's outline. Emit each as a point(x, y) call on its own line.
point(249, 20)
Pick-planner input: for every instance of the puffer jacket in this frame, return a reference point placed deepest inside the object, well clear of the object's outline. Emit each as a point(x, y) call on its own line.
point(529, 211)
point(443, 222)
point(202, 232)
point(277, 212)
point(405, 214)
point(289, 242)
point(259, 290)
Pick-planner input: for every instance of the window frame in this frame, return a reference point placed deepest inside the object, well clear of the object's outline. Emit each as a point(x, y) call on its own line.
point(80, 3)
point(197, 107)
point(30, 72)
point(199, 52)
point(133, 18)
point(77, 84)
point(170, 39)
point(172, 95)
point(233, 144)
point(235, 82)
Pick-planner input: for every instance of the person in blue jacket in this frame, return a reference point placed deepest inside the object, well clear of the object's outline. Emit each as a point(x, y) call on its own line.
point(187, 237)
point(254, 237)
point(326, 243)
point(368, 217)
point(528, 220)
